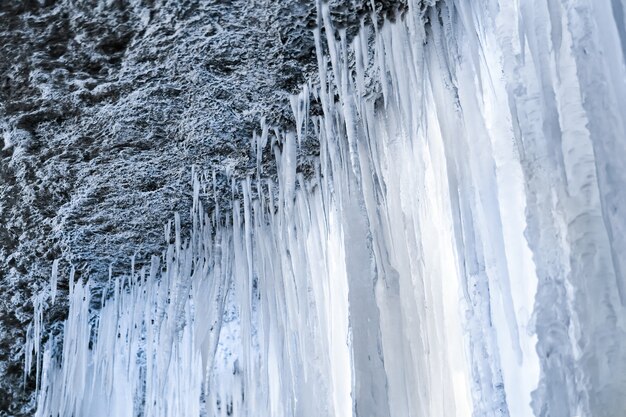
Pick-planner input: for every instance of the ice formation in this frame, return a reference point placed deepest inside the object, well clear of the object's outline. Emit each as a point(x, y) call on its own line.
point(460, 249)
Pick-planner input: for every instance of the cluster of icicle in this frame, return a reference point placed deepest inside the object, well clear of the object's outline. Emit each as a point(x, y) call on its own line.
point(460, 250)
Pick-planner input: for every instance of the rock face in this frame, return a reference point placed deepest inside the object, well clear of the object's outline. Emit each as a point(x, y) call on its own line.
point(105, 106)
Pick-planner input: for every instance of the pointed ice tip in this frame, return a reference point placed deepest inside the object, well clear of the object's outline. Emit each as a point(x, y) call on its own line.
point(53, 280)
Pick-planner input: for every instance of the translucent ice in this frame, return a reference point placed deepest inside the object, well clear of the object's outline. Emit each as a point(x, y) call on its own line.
point(458, 251)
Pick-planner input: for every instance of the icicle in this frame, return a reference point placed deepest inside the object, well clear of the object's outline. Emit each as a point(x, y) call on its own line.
point(456, 252)
point(300, 108)
point(53, 280)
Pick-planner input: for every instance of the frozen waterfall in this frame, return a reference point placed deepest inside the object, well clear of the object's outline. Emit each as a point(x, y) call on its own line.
point(460, 249)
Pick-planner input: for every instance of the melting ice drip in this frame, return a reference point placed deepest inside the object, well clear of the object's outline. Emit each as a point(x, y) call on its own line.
point(460, 250)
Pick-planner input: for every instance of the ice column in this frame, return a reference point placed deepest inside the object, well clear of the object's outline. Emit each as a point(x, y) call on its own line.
point(459, 249)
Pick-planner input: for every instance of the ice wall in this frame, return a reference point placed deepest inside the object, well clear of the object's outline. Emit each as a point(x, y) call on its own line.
point(459, 250)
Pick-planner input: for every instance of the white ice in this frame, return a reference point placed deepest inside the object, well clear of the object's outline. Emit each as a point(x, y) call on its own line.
point(459, 251)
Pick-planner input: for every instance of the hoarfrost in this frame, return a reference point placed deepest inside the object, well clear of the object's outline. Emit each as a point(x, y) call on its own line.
point(457, 252)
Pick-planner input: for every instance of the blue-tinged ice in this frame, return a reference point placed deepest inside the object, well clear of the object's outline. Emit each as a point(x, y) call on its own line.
point(460, 249)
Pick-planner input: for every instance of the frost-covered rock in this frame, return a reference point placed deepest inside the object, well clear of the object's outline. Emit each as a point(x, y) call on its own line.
point(106, 106)
point(455, 249)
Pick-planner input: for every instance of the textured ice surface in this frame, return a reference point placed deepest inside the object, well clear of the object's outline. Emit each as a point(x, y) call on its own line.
point(459, 250)
point(104, 107)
